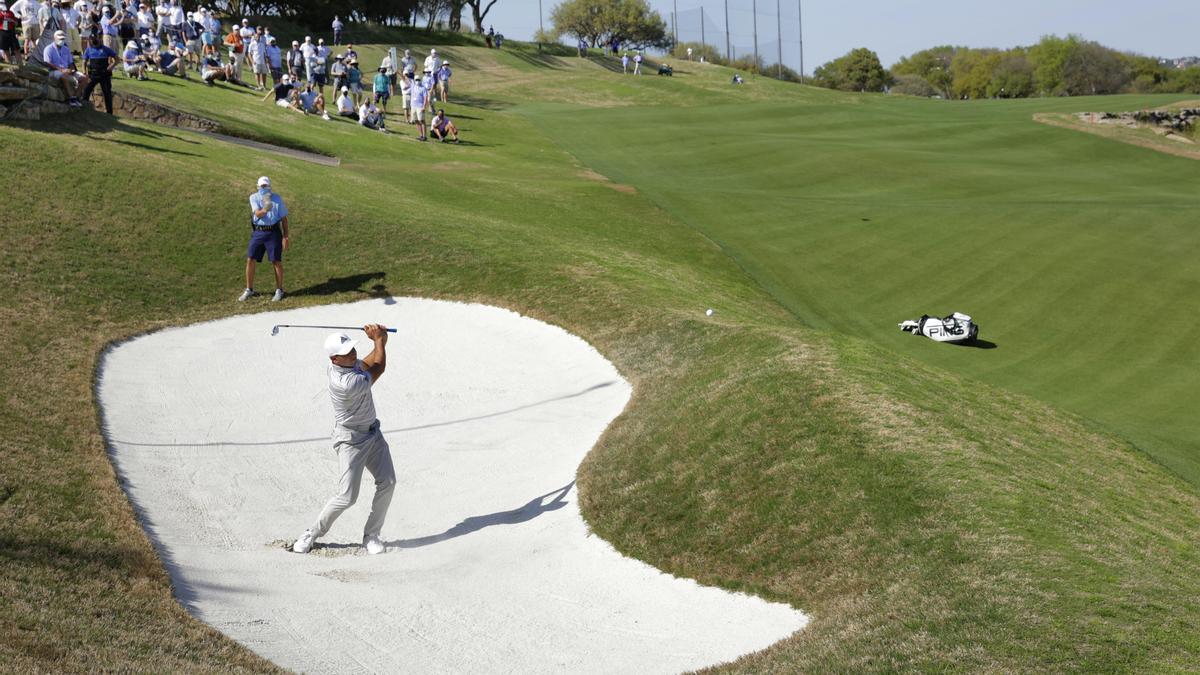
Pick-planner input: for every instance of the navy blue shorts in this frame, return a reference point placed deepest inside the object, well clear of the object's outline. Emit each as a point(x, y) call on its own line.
point(269, 242)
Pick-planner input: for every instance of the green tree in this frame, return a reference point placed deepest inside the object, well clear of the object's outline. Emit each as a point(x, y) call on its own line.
point(972, 71)
point(601, 21)
point(1012, 77)
point(933, 65)
point(858, 70)
point(912, 85)
point(1091, 69)
point(1049, 58)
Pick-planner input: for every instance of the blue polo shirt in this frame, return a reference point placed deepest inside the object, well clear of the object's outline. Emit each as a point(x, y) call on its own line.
point(277, 213)
point(59, 57)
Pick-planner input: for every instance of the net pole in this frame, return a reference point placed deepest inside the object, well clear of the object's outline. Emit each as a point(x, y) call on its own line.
point(728, 53)
point(779, 34)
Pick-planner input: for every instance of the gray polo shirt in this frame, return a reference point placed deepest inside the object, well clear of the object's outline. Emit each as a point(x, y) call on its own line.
point(350, 391)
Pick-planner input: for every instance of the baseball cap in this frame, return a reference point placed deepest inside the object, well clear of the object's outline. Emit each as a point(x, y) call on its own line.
point(338, 344)
point(345, 89)
point(59, 34)
point(432, 51)
point(263, 181)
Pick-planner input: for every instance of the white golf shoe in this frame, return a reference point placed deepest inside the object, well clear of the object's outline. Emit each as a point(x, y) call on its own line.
point(374, 545)
point(278, 295)
point(248, 293)
point(305, 543)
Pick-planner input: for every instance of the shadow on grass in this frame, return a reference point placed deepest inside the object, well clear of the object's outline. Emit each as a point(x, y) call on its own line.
point(538, 59)
point(479, 102)
point(348, 284)
point(87, 122)
point(979, 344)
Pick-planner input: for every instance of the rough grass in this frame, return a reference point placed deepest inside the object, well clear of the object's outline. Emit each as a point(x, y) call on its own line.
point(976, 531)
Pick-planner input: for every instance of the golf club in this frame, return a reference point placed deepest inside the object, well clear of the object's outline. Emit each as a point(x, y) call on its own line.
point(275, 329)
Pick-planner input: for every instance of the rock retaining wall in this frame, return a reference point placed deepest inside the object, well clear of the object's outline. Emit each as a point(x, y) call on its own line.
point(27, 93)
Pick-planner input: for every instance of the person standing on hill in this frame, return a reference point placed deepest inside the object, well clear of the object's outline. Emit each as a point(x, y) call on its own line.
point(637, 63)
point(270, 236)
point(9, 44)
point(337, 30)
point(625, 63)
point(100, 61)
point(432, 62)
point(357, 440)
point(420, 99)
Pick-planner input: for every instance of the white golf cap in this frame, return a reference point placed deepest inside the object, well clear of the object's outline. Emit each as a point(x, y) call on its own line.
point(59, 34)
point(338, 344)
point(263, 181)
point(432, 51)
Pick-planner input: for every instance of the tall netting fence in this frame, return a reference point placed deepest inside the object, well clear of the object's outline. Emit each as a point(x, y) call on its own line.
point(748, 33)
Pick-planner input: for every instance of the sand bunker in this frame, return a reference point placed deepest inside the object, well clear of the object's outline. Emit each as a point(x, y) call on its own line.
point(220, 432)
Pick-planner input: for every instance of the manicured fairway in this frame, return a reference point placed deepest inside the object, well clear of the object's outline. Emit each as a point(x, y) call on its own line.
point(1076, 254)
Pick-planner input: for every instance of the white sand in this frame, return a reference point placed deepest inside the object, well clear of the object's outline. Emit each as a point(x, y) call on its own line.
point(221, 434)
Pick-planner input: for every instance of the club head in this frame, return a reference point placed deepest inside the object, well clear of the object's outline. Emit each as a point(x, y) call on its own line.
point(274, 330)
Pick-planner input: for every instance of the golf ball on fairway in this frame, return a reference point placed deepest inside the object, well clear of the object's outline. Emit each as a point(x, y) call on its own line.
point(708, 312)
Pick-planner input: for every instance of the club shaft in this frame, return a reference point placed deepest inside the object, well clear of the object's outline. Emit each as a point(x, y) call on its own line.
point(285, 325)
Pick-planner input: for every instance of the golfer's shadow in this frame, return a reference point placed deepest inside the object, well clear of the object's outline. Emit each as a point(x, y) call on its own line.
point(532, 509)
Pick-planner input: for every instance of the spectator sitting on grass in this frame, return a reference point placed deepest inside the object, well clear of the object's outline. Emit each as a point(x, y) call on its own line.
point(134, 61)
point(171, 58)
point(312, 101)
point(370, 117)
point(382, 89)
point(61, 63)
point(284, 93)
point(345, 105)
point(737, 78)
point(441, 125)
point(211, 68)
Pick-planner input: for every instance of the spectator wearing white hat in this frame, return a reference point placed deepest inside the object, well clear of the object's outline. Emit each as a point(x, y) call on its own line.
point(295, 61)
point(269, 236)
point(246, 30)
point(443, 80)
point(26, 12)
point(345, 104)
point(408, 64)
point(284, 93)
point(310, 54)
point(61, 63)
point(406, 96)
point(432, 62)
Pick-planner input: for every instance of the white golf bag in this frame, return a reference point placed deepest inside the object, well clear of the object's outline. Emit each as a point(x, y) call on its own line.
point(956, 328)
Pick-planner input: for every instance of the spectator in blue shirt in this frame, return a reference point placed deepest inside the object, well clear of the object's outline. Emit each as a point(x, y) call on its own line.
point(62, 67)
point(100, 61)
point(269, 221)
point(443, 80)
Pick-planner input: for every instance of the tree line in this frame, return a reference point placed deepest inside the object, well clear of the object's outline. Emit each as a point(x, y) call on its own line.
point(1055, 66)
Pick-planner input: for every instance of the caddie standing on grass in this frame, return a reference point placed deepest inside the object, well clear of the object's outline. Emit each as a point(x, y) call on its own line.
point(270, 236)
point(356, 437)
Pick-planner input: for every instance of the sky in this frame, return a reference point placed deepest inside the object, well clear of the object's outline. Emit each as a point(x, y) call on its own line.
point(895, 28)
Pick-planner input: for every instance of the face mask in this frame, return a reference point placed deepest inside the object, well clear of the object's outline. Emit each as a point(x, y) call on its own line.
point(264, 191)
point(59, 41)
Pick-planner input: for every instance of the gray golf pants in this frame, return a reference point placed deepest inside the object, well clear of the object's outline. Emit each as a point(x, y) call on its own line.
point(357, 451)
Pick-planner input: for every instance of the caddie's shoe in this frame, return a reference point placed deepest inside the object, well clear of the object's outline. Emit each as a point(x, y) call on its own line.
point(373, 545)
point(305, 543)
point(278, 295)
point(248, 293)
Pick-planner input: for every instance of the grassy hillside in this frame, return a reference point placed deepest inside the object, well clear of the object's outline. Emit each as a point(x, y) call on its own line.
point(1074, 253)
point(980, 530)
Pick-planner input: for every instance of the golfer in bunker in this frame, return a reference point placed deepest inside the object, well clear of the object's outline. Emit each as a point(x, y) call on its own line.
point(356, 437)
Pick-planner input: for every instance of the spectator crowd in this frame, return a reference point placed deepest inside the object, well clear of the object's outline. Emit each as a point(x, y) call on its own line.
point(144, 39)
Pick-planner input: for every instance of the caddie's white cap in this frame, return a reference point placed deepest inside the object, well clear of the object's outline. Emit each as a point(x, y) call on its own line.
point(338, 344)
point(263, 181)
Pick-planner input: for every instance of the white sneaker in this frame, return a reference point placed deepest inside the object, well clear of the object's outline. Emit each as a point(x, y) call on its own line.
point(325, 117)
point(373, 545)
point(249, 292)
point(305, 543)
point(278, 295)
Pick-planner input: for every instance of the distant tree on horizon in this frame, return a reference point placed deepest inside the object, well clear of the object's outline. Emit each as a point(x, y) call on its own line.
point(599, 22)
point(858, 70)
